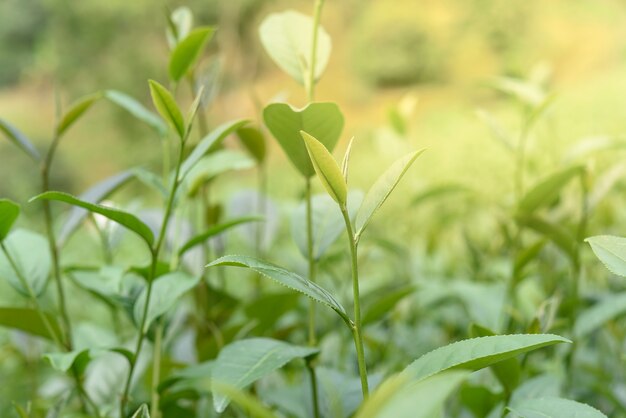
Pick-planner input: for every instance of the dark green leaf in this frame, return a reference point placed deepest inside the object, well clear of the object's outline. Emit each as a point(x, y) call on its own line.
point(123, 218)
point(187, 52)
point(323, 121)
point(20, 140)
point(252, 138)
point(9, 211)
point(28, 320)
point(384, 302)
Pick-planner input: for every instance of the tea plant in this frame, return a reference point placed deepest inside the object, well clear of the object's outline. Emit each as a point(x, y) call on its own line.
point(243, 350)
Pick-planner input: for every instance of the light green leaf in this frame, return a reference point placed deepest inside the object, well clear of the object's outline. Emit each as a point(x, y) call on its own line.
point(64, 361)
point(547, 190)
point(603, 311)
point(166, 106)
point(399, 397)
point(125, 219)
point(19, 139)
point(142, 412)
point(151, 179)
point(254, 141)
point(187, 52)
point(345, 163)
point(28, 320)
point(381, 190)
point(285, 278)
point(524, 91)
point(76, 111)
point(499, 132)
point(323, 121)
point(611, 251)
point(166, 290)
point(94, 194)
point(554, 408)
point(327, 169)
point(287, 38)
point(437, 192)
point(215, 230)
point(478, 353)
point(243, 362)
point(9, 212)
point(208, 143)
point(179, 24)
point(31, 255)
point(253, 407)
point(136, 109)
point(215, 164)
point(383, 302)
point(556, 233)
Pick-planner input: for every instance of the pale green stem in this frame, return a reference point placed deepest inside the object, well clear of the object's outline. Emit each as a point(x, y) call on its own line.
point(310, 82)
point(356, 328)
point(156, 371)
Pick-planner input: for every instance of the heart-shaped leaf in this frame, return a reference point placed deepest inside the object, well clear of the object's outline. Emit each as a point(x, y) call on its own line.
point(287, 38)
point(611, 251)
point(323, 121)
point(19, 139)
point(9, 211)
point(381, 190)
point(30, 254)
point(252, 138)
point(327, 169)
point(76, 111)
point(478, 353)
point(166, 106)
point(187, 52)
point(125, 219)
point(285, 278)
point(94, 194)
point(136, 109)
point(243, 362)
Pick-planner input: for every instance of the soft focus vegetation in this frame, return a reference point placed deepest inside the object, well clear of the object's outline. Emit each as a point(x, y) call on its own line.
point(255, 208)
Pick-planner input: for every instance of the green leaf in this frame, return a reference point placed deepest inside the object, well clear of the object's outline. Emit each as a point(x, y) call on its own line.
point(285, 278)
point(399, 397)
point(179, 24)
point(547, 190)
point(243, 362)
point(152, 180)
point(478, 353)
point(20, 140)
point(215, 164)
point(215, 230)
point(253, 407)
point(611, 251)
point(142, 412)
point(187, 52)
point(381, 190)
point(9, 212)
point(253, 140)
point(524, 257)
point(287, 38)
point(136, 109)
point(31, 255)
point(438, 191)
point(76, 111)
point(554, 408)
point(556, 233)
point(208, 143)
point(166, 290)
point(94, 194)
point(384, 302)
point(125, 219)
point(508, 372)
point(166, 106)
point(28, 320)
point(603, 311)
point(63, 362)
point(323, 121)
point(327, 169)
point(346, 160)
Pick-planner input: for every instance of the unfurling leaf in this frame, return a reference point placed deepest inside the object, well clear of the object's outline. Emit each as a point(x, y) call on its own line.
point(187, 52)
point(327, 169)
point(166, 106)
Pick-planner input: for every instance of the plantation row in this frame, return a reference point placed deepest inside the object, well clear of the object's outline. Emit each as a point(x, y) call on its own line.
point(196, 332)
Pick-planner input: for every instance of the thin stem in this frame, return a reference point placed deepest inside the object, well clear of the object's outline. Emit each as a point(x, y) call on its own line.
point(314, 391)
point(310, 83)
point(156, 371)
point(356, 328)
point(311, 259)
point(155, 258)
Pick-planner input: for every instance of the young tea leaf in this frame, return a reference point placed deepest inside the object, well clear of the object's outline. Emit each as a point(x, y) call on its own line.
point(381, 190)
point(547, 191)
point(9, 212)
point(287, 38)
point(187, 52)
point(285, 278)
point(166, 106)
point(20, 140)
point(327, 169)
point(125, 219)
point(323, 121)
point(243, 362)
point(136, 109)
point(478, 353)
point(611, 251)
point(76, 111)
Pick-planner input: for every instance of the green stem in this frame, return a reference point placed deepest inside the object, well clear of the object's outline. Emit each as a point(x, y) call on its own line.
point(356, 328)
point(310, 82)
point(314, 391)
point(310, 258)
point(156, 371)
point(155, 258)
